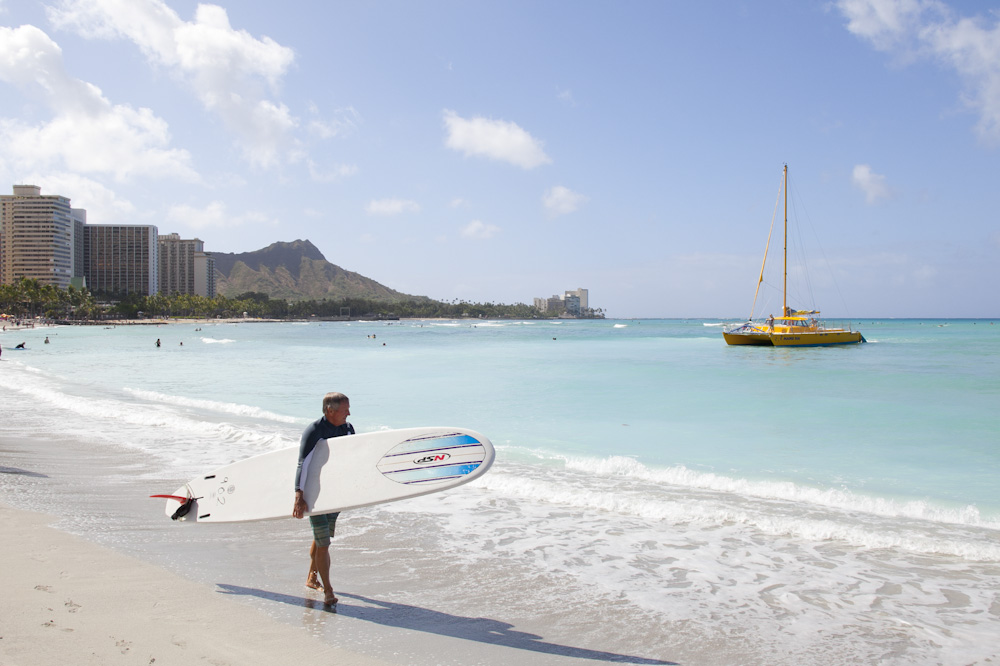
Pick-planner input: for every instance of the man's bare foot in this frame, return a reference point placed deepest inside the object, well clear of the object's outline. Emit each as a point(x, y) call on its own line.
point(330, 600)
point(313, 583)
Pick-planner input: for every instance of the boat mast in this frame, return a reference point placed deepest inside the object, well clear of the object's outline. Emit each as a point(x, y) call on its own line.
point(784, 286)
point(767, 249)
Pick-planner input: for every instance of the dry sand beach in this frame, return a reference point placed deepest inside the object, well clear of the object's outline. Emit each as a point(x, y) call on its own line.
point(68, 601)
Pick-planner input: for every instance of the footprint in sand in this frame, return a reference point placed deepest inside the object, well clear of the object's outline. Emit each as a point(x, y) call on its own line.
point(43, 588)
point(72, 606)
point(52, 623)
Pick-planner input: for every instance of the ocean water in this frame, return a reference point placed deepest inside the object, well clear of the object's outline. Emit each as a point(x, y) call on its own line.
point(658, 496)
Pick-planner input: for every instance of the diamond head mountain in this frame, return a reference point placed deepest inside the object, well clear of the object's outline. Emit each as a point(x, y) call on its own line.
point(296, 271)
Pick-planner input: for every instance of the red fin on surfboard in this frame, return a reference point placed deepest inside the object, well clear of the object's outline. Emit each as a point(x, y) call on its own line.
point(173, 497)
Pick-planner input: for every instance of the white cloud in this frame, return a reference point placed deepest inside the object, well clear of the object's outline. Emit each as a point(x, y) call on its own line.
point(458, 202)
point(212, 216)
point(87, 133)
point(561, 200)
point(103, 205)
point(930, 29)
point(885, 23)
point(871, 183)
point(479, 230)
point(495, 139)
point(391, 206)
point(229, 70)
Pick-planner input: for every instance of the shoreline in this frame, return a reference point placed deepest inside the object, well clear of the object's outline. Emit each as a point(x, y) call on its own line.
point(91, 566)
point(203, 321)
point(69, 601)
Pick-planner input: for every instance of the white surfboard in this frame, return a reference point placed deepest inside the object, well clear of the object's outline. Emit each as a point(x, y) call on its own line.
point(345, 473)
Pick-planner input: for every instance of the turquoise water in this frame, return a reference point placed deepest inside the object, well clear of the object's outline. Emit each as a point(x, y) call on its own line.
point(915, 414)
point(864, 460)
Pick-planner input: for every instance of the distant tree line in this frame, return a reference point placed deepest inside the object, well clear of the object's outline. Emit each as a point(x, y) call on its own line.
point(29, 298)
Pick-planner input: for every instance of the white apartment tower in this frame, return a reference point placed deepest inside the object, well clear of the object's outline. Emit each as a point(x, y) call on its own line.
point(36, 237)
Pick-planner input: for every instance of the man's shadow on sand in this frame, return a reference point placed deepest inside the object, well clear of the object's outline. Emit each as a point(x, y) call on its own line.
point(402, 616)
point(22, 472)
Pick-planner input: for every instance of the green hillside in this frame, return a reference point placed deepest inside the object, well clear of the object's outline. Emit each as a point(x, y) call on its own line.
point(296, 271)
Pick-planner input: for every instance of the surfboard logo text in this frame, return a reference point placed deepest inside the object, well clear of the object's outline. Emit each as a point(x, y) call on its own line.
point(437, 457)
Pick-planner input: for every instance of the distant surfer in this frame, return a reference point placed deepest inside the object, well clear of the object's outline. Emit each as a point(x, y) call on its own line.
point(157, 342)
point(20, 346)
point(333, 423)
point(46, 339)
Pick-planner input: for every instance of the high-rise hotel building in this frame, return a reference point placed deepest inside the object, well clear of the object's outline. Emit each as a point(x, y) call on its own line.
point(121, 259)
point(36, 237)
point(42, 238)
point(185, 267)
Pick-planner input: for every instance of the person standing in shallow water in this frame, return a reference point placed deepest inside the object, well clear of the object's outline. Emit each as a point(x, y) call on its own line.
point(333, 423)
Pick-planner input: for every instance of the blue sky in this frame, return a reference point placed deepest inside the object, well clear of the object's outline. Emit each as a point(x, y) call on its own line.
point(499, 151)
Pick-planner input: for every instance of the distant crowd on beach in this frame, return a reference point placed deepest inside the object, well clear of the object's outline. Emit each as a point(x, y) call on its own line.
point(10, 323)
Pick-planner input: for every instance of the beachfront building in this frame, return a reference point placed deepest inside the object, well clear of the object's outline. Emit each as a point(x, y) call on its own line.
point(583, 299)
point(121, 259)
point(36, 237)
point(572, 303)
point(550, 306)
point(185, 267)
point(79, 216)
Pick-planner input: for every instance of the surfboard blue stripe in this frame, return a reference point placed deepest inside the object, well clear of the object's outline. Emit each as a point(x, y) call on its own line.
point(419, 475)
point(442, 466)
point(432, 443)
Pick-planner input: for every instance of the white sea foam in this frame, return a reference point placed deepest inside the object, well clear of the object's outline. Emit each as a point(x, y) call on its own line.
point(712, 509)
point(717, 563)
point(620, 326)
point(845, 500)
point(221, 407)
point(216, 341)
point(152, 424)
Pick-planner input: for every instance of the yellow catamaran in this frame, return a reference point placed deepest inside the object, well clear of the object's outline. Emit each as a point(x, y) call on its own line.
point(794, 328)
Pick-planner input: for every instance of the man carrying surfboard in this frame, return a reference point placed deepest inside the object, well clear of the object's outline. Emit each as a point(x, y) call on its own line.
point(333, 423)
